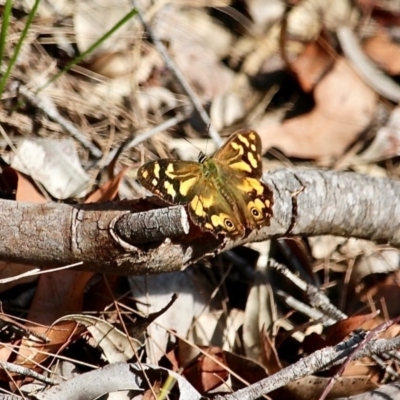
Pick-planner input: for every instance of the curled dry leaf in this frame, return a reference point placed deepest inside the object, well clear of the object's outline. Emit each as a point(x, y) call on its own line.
point(191, 302)
point(119, 377)
point(116, 345)
point(53, 163)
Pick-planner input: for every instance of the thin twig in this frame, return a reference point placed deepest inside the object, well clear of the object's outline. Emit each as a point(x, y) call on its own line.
point(179, 76)
point(46, 105)
point(135, 138)
point(318, 361)
point(18, 369)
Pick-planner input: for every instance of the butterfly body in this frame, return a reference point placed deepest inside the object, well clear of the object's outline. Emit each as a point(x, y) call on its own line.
point(223, 192)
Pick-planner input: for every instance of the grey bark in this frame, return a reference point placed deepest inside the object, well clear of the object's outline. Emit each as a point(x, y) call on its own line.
point(306, 202)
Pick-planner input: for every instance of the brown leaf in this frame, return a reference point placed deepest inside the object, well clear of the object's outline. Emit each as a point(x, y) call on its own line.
point(205, 374)
point(311, 65)
point(108, 191)
point(384, 51)
point(57, 294)
point(344, 108)
point(25, 190)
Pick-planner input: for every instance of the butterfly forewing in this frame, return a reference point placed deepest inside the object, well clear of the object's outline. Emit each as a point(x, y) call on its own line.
point(242, 154)
point(174, 181)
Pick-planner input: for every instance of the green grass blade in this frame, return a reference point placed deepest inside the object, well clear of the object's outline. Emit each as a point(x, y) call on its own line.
point(78, 59)
point(18, 46)
point(4, 28)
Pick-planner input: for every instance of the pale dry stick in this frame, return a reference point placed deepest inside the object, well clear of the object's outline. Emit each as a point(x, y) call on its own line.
point(135, 138)
point(320, 301)
point(305, 309)
point(317, 361)
point(46, 105)
point(320, 298)
point(25, 372)
point(179, 76)
point(368, 337)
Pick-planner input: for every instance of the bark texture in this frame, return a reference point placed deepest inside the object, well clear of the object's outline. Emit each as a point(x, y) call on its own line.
point(121, 238)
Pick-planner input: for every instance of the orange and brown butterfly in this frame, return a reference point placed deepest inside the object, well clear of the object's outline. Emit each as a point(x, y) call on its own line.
point(223, 192)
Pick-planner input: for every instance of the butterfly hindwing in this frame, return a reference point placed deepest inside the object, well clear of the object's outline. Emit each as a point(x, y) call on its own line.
point(210, 210)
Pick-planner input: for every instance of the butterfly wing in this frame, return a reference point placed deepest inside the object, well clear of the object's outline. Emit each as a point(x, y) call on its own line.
point(240, 166)
point(223, 193)
point(174, 181)
point(241, 154)
point(213, 212)
point(254, 199)
point(183, 182)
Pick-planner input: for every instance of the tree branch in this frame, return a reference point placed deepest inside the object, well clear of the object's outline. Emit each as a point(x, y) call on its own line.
point(121, 238)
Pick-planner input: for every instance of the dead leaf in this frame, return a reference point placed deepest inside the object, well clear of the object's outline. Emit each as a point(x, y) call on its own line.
point(107, 191)
point(205, 374)
point(383, 51)
point(92, 21)
point(192, 301)
point(116, 345)
point(53, 163)
point(311, 65)
point(344, 107)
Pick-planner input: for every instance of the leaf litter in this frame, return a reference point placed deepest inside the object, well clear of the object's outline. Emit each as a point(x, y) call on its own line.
point(243, 316)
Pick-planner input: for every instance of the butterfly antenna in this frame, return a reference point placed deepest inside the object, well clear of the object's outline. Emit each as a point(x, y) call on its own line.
point(202, 157)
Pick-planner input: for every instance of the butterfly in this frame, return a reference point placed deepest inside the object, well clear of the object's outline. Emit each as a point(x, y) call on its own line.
point(223, 193)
